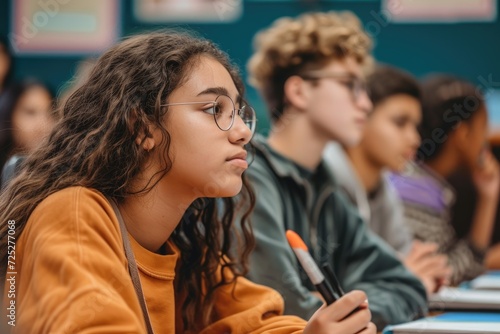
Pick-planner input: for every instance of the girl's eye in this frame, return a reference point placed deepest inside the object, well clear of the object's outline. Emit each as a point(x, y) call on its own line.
point(214, 109)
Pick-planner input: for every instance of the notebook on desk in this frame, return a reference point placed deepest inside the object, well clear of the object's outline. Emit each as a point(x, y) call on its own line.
point(465, 299)
point(453, 322)
point(488, 281)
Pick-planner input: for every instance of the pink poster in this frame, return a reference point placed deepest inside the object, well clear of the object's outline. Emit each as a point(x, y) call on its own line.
point(64, 26)
point(196, 11)
point(439, 11)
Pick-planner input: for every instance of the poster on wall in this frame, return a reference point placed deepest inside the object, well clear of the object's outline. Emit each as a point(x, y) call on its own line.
point(63, 26)
point(188, 11)
point(439, 11)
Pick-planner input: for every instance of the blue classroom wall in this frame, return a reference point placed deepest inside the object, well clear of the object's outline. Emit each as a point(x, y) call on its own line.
point(470, 50)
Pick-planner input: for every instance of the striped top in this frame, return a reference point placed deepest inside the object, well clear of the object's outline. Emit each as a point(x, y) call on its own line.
point(428, 200)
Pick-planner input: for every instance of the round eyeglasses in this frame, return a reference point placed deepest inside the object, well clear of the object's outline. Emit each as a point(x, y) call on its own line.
point(223, 111)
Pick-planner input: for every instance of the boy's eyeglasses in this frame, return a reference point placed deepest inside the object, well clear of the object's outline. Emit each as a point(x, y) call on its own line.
point(224, 110)
point(355, 85)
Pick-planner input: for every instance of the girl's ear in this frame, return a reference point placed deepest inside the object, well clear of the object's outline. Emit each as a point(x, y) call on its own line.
point(146, 141)
point(296, 92)
point(144, 136)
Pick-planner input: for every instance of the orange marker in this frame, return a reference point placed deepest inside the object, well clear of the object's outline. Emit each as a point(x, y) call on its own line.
point(310, 267)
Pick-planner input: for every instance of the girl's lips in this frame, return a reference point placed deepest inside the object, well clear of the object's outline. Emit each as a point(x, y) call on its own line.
point(242, 163)
point(240, 155)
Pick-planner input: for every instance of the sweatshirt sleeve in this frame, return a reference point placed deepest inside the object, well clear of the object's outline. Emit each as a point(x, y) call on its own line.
point(466, 261)
point(367, 263)
point(272, 261)
point(245, 307)
point(73, 277)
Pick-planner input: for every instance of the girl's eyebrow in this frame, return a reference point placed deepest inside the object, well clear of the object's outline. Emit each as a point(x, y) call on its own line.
point(218, 91)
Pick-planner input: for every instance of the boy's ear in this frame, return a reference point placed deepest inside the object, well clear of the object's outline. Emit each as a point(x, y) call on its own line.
point(296, 92)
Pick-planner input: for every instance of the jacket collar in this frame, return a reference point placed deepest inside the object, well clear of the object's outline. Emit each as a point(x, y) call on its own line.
point(284, 167)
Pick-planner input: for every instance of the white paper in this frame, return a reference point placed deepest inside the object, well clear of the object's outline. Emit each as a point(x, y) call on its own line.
point(455, 298)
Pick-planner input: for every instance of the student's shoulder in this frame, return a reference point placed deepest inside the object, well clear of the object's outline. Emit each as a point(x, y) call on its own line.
point(71, 197)
point(71, 206)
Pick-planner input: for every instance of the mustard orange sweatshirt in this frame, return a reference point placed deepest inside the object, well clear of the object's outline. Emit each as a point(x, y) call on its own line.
point(72, 277)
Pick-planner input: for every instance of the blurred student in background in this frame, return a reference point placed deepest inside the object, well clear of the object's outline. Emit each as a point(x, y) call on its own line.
point(390, 139)
point(26, 118)
point(310, 70)
point(5, 64)
point(454, 132)
point(466, 202)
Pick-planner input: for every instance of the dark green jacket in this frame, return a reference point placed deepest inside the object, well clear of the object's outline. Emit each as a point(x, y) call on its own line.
point(290, 197)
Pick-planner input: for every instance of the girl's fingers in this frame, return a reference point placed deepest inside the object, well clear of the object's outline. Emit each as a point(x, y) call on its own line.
point(370, 329)
point(345, 305)
point(357, 321)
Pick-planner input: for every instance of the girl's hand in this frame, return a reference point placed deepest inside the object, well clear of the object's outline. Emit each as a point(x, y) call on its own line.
point(487, 177)
point(332, 318)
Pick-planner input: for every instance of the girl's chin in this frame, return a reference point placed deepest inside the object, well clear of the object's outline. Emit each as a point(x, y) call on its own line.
point(228, 190)
point(235, 191)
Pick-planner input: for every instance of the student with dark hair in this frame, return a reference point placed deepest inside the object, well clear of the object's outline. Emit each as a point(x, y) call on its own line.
point(310, 71)
point(454, 135)
point(390, 139)
point(115, 220)
point(26, 118)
